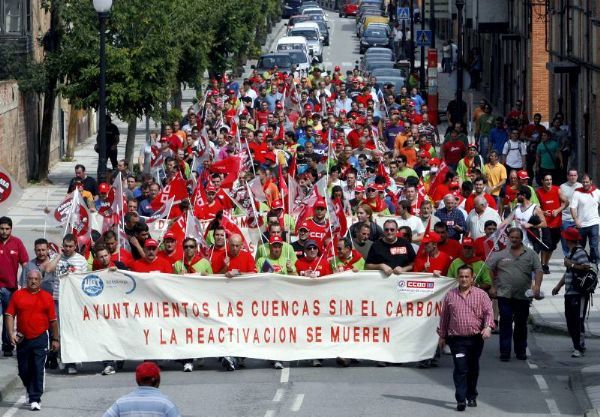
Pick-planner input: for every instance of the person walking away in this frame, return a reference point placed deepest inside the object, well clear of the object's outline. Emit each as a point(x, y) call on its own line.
point(576, 303)
point(35, 314)
point(466, 321)
point(512, 269)
point(147, 399)
point(584, 209)
point(12, 254)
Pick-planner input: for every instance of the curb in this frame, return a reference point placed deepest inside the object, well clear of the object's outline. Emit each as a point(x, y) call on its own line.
point(590, 379)
point(541, 325)
point(8, 384)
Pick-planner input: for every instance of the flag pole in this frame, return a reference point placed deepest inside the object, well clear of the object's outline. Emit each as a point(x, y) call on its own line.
point(46, 214)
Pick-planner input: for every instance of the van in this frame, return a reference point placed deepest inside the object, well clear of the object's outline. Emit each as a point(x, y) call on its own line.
point(297, 48)
point(373, 19)
point(310, 30)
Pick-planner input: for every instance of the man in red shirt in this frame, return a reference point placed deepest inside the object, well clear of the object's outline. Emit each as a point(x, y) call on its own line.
point(35, 313)
point(552, 203)
point(318, 225)
point(172, 252)
point(152, 262)
point(453, 150)
point(431, 259)
point(12, 254)
point(211, 208)
point(479, 190)
point(218, 252)
point(238, 262)
point(311, 264)
point(116, 254)
point(450, 247)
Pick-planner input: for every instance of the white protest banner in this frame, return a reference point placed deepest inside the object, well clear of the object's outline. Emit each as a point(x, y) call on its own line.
point(122, 315)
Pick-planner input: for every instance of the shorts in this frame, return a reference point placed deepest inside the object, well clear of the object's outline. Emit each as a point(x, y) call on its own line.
point(551, 237)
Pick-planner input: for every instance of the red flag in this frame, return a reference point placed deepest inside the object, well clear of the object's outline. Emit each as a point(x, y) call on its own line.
point(283, 188)
point(440, 177)
point(62, 211)
point(339, 223)
point(175, 189)
point(178, 229)
point(382, 172)
point(232, 229)
point(161, 213)
point(228, 166)
point(292, 166)
point(79, 218)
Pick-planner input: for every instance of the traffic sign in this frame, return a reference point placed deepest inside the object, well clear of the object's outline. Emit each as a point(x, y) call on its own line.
point(403, 13)
point(423, 38)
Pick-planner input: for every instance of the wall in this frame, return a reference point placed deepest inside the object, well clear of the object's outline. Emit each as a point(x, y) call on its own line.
point(13, 140)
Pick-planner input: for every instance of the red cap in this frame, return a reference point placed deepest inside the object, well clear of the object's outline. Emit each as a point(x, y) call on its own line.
point(380, 187)
point(277, 204)
point(340, 142)
point(320, 203)
point(169, 235)
point(523, 175)
point(342, 112)
point(147, 371)
point(303, 225)
point(211, 188)
point(360, 121)
point(359, 189)
point(434, 161)
point(431, 237)
point(103, 187)
point(454, 185)
point(231, 92)
point(307, 106)
point(275, 239)
point(150, 243)
point(279, 106)
point(467, 241)
point(571, 234)
point(336, 68)
point(473, 145)
point(424, 155)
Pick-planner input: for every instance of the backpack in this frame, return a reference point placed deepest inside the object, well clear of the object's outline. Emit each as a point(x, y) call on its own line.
point(584, 282)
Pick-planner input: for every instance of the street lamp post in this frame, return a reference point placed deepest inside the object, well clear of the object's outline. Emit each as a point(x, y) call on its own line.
point(460, 4)
point(102, 8)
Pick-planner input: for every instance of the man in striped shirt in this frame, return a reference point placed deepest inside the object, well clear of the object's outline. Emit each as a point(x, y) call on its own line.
point(467, 319)
point(146, 400)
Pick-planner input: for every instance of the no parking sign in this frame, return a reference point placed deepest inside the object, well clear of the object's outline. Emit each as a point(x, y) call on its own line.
point(5, 187)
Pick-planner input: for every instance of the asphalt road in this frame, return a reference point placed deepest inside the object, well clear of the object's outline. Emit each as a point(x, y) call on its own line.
point(541, 386)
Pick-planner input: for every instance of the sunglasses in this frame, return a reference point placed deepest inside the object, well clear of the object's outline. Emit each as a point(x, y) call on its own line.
point(389, 229)
point(312, 248)
point(189, 247)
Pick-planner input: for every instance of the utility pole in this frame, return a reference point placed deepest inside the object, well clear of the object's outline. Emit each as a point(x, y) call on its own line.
point(432, 21)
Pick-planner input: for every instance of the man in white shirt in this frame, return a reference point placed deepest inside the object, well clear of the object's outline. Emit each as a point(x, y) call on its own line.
point(479, 215)
point(407, 219)
point(567, 189)
point(514, 152)
point(584, 209)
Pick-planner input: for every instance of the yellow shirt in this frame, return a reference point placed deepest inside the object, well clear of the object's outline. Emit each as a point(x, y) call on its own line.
point(495, 175)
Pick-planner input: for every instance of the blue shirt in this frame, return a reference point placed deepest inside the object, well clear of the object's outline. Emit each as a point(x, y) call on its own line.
point(498, 138)
point(145, 209)
point(143, 402)
point(453, 218)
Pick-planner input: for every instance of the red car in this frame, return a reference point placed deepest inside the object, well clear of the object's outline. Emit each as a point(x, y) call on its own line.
point(349, 8)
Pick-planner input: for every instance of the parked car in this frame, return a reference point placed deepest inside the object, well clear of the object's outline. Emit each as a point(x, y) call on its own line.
point(371, 65)
point(373, 36)
point(314, 11)
point(290, 8)
point(349, 8)
point(397, 82)
point(323, 28)
point(281, 60)
point(310, 30)
point(388, 72)
point(297, 47)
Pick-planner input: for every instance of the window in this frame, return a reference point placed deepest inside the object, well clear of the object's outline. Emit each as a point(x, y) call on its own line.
point(13, 16)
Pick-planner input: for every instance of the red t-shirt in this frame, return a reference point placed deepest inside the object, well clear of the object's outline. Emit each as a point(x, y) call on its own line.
point(158, 265)
point(321, 267)
point(550, 200)
point(208, 211)
point(243, 262)
point(34, 312)
point(217, 259)
point(451, 248)
point(483, 246)
point(470, 202)
point(259, 151)
point(12, 254)
point(318, 232)
point(177, 255)
point(454, 151)
point(439, 263)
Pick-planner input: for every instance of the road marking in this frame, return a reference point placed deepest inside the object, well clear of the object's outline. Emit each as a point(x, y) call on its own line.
point(270, 413)
point(297, 403)
point(285, 375)
point(347, 64)
point(552, 407)
point(13, 410)
point(541, 382)
point(278, 395)
point(532, 365)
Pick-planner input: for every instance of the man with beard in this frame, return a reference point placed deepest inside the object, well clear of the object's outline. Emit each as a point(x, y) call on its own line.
point(347, 259)
point(482, 277)
point(391, 254)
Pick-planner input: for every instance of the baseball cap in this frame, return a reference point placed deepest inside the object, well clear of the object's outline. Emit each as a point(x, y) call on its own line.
point(211, 189)
point(277, 204)
point(275, 239)
point(309, 243)
point(431, 237)
point(359, 189)
point(523, 175)
point(150, 243)
point(169, 235)
point(571, 234)
point(103, 187)
point(336, 68)
point(424, 155)
point(147, 371)
point(472, 145)
point(303, 225)
point(320, 203)
point(467, 241)
point(454, 185)
point(435, 161)
point(279, 106)
point(380, 187)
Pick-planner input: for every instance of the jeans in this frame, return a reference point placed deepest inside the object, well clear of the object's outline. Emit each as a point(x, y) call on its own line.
point(575, 308)
point(565, 225)
point(517, 312)
point(466, 351)
point(590, 233)
point(5, 295)
point(31, 358)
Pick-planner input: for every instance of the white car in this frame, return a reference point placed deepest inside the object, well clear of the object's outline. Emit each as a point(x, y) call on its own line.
point(315, 11)
point(310, 30)
point(297, 48)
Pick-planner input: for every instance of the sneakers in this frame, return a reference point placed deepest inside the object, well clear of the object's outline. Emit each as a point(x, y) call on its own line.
point(546, 269)
point(447, 350)
point(72, 370)
point(576, 354)
point(228, 363)
point(277, 365)
point(108, 370)
point(188, 367)
point(35, 406)
point(317, 363)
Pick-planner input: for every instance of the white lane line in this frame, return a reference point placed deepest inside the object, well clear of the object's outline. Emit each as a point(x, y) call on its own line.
point(297, 403)
point(552, 407)
point(15, 408)
point(285, 375)
point(278, 395)
point(347, 64)
point(270, 413)
point(532, 365)
point(541, 382)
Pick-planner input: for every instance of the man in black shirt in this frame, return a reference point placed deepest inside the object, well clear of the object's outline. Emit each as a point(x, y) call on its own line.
point(391, 254)
point(89, 184)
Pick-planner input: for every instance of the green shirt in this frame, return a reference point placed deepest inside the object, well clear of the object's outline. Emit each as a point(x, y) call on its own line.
point(407, 172)
point(337, 263)
point(202, 266)
point(547, 154)
point(480, 269)
point(277, 264)
point(287, 251)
